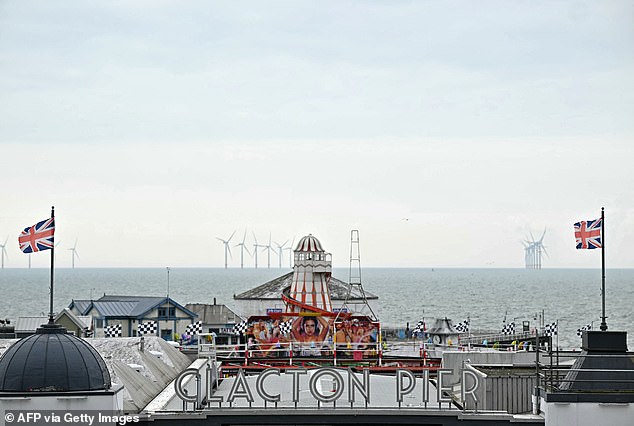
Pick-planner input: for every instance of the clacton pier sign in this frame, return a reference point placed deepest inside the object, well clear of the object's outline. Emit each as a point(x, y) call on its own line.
point(294, 388)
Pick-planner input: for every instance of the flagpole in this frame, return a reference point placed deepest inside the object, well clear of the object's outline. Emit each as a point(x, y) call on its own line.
point(51, 320)
point(604, 325)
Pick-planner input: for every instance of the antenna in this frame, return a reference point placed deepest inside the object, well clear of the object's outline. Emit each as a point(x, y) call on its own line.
point(242, 249)
point(74, 253)
point(227, 248)
point(168, 293)
point(355, 281)
point(4, 250)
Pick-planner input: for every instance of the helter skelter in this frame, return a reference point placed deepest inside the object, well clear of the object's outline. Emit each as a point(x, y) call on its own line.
point(309, 329)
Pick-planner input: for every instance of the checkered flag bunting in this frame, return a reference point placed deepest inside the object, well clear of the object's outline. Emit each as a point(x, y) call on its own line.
point(194, 328)
point(286, 327)
point(240, 328)
point(582, 329)
point(463, 327)
point(509, 328)
point(420, 328)
point(550, 329)
point(113, 330)
point(149, 327)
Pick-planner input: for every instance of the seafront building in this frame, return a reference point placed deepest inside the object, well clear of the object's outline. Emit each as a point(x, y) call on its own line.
point(123, 314)
point(218, 320)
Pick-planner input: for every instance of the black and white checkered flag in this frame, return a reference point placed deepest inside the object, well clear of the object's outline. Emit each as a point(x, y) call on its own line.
point(286, 327)
point(463, 327)
point(113, 330)
point(582, 329)
point(550, 329)
point(509, 328)
point(240, 327)
point(419, 329)
point(149, 327)
point(194, 328)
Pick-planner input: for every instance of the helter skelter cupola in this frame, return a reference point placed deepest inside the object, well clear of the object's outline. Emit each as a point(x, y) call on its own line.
point(311, 274)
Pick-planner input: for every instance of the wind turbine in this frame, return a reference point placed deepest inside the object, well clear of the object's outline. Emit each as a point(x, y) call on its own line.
point(281, 249)
point(268, 249)
point(74, 250)
point(4, 250)
point(227, 248)
point(540, 248)
point(290, 253)
point(533, 251)
point(242, 249)
point(255, 250)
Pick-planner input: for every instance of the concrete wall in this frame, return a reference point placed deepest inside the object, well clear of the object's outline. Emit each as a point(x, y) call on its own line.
point(588, 414)
point(167, 399)
point(454, 360)
point(81, 401)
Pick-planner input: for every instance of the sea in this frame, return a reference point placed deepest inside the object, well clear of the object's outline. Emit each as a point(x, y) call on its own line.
point(487, 297)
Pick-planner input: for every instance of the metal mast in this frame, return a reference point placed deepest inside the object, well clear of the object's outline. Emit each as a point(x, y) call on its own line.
point(354, 280)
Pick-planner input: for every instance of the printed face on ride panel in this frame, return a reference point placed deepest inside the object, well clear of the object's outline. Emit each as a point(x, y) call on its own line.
point(309, 326)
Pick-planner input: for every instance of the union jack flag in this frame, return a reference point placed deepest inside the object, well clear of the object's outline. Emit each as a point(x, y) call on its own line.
point(588, 234)
point(38, 237)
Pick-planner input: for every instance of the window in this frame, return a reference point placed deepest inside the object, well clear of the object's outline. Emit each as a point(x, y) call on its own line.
point(98, 323)
point(167, 313)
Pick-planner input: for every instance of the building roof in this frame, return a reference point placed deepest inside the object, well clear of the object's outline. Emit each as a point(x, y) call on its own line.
point(214, 314)
point(273, 290)
point(81, 305)
point(81, 321)
point(125, 306)
point(52, 361)
point(29, 324)
point(442, 326)
point(603, 366)
point(309, 243)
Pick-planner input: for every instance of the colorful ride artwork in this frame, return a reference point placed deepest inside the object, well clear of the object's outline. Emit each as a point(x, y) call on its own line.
point(312, 335)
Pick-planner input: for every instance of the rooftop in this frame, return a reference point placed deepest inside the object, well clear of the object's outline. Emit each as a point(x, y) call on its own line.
point(273, 290)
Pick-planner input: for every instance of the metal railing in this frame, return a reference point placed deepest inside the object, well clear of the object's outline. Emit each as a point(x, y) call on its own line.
point(563, 372)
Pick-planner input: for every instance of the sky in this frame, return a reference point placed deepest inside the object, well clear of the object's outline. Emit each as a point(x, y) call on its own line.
point(445, 132)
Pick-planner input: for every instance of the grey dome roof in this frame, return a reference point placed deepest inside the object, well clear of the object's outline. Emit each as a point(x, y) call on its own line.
point(52, 361)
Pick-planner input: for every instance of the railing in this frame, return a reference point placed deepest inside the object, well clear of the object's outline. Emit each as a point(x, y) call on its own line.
point(341, 353)
point(562, 373)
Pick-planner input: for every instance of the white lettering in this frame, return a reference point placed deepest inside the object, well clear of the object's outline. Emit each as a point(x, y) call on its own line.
point(443, 390)
point(354, 383)
point(240, 388)
point(296, 374)
point(178, 385)
point(337, 384)
point(471, 391)
point(259, 385)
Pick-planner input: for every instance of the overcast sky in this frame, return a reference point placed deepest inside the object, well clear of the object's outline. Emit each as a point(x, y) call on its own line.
point(445, 132)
